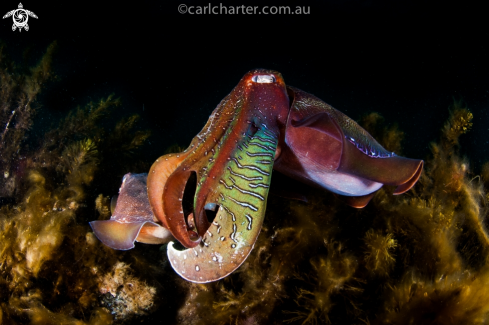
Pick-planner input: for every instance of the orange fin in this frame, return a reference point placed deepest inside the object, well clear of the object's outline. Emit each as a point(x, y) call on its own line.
point(410, 183)
point(356, 201)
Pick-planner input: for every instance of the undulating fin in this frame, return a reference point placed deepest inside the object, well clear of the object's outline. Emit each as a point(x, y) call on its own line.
point(397, 171)
point(325, 148)
point(406, 186)
point(121, 235)
point(132, 219)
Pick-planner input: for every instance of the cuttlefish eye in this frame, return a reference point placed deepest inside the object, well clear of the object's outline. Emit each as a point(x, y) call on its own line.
point(263, 79)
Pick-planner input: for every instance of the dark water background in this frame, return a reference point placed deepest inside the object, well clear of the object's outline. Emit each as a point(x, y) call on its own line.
point(404, 59)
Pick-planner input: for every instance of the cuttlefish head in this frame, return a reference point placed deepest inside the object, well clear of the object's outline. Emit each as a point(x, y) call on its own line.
point(214, 199)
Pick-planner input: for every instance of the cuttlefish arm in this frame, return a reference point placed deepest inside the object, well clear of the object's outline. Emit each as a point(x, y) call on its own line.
point(325, 148)
point(230, 162)
point(240, 200)
point(132, 219)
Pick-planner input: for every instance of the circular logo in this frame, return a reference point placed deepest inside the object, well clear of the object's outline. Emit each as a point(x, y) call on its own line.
point(20, 18)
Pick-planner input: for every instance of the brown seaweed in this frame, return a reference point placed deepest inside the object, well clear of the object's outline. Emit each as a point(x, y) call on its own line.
point(419, 258)
point(52, 269)
point(415, 259)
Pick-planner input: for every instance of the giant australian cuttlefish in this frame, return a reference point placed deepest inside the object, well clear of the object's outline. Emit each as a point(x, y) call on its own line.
point(262, 125)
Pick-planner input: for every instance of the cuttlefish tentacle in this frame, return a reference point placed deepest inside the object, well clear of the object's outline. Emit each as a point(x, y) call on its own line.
point(234, 177)
point(159, 185)
point(198, 159)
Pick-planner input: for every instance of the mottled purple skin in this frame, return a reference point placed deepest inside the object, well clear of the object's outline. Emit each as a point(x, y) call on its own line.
point(132, 219)
point(132, 204)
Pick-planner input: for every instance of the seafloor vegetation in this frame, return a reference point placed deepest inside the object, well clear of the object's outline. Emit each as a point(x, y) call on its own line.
point(52, 268)
point(417, 258)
